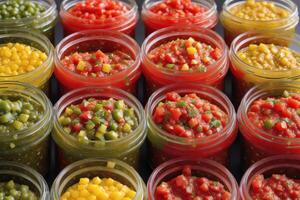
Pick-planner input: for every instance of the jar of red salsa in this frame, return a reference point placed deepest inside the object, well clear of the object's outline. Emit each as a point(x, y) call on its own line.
point(268, 120)
point(118, 15)
point(166, 52)
point(276, 177)
point(190, 120)
point(97, 58)
point(214, 181)
point(159, 14)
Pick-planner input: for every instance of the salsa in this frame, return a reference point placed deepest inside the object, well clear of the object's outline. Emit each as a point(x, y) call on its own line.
point(98, 63)
point(189, 116)
point(188, 187)
point(185, 55)
point(278, 186)
point(14, 191)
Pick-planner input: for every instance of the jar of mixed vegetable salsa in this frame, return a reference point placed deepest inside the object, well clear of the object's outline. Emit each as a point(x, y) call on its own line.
point(190, 120)
point(184, 54)
point(25, 125)
point(262, 57)
point(97, 58)
point(279, 16)
point(118, 15)
point(99, 122)
point(276, 177)
point(26, 56)
point(20, 182)
point(269, 121)
point(98, 179)
point(159, 14)
point(30, 14)
point(192, 179)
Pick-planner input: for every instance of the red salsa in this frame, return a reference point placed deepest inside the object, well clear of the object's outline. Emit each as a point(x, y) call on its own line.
point(188, 187)
point(185, 55)
point(97, 64)
point(279, 116)
point(189, 116)
point(277, 187)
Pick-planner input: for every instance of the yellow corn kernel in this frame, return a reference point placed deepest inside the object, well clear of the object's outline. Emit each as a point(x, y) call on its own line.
point(185, 67)
point(84, 181)
point(191, 50)
point(106, 68)
point(81, 66)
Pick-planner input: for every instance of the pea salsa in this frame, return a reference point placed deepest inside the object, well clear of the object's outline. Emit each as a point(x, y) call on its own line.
point(14, 191)
point(99, 120)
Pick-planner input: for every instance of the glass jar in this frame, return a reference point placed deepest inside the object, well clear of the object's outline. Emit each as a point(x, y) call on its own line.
point(233, 25)
point(154, 21)
point(157, 77)
point(44, 22)
point(125, 23)
point(94, 40)
point(29, 146)
point(40, 77)
point(22, 174)
point(245, 76)
point(200, 168)
point(164, 146)
point(90, 168)
point(126, 148)
point(259, 144)
point(281, 164)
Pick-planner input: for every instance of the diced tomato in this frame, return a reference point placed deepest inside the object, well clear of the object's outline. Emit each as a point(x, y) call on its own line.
point(85, 116)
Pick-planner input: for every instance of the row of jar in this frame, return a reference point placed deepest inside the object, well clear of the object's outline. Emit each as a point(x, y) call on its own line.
point(171, 55)
point(122, 15)
point(103, 179)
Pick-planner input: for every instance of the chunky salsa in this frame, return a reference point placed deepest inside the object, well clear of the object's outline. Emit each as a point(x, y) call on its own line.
point(185, 55)
point(190, 187)
point(279, 116)
point(189, 116)
point(278, 186)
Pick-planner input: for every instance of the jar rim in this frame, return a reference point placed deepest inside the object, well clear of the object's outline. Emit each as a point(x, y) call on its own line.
point(208, 91)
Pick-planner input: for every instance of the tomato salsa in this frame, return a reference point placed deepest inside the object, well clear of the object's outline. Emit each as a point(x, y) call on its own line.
point(278, 186)
point(188, 187)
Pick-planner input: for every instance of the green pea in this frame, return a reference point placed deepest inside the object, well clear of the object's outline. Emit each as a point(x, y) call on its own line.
point(4, 106)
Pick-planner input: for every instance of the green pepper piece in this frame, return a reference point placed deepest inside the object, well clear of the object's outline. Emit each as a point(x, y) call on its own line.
point(170, 65)
point(117, 114)
point(90, 125)
point(268, 124)
point(181, 104)
point(120, 104)
point(111, 135)
point(215, 123)
point(114, 126)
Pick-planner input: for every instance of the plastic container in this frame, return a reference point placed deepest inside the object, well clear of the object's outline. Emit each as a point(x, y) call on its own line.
point(233, 25)
point(124, 23)
point(31, 145)
point(200, 168)
point(245, 76)
point(90, 168)
point(22, 174)
point(259, 144)
point(164, 146)
point(44, 22)
point(154, 21)
point(91, 41)
point(281, 164)
point(40, 77)
point(126, 148)
point(157, 77)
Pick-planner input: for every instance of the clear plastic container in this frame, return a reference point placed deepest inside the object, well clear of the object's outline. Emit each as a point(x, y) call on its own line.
point(233, 25)
point(245, 76)
point(31, 145)
point(259, 144)
point(90, 168)
point(22, 174)
point(200, 168)
point(158, 77)
point(44, 22)
point(40, 77)
point(126, 148)
point(154, 21)
point(281, 164)
point(125, 23)
point(94, 40)
point(164, 146)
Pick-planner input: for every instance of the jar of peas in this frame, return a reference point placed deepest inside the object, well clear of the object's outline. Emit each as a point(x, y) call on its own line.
point(31, 14)
point(99, 122)
point(26, 56)
point(25, 125)
point(104, 179)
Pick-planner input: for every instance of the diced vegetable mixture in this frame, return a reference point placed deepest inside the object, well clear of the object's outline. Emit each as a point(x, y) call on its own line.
point(14, 191)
